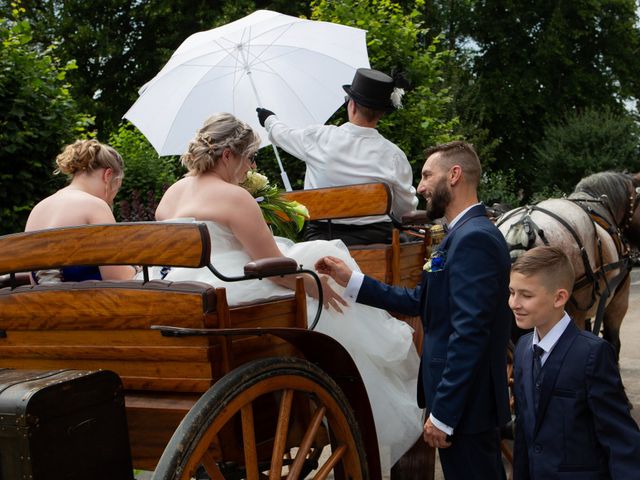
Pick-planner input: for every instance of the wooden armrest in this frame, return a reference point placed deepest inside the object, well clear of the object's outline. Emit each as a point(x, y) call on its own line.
point(142, 243)
point(269, 267)
point(417, 217)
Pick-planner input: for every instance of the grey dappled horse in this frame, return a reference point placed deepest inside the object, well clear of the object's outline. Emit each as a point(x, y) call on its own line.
point(595, 226)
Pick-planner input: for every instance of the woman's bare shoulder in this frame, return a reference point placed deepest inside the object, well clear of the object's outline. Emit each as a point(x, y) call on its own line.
point(69, 207)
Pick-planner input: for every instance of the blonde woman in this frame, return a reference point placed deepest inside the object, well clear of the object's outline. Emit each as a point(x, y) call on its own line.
point(218, 159)
point(95, 173)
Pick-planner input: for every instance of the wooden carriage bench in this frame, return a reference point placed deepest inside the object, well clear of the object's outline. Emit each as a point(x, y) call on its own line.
point(107, 324)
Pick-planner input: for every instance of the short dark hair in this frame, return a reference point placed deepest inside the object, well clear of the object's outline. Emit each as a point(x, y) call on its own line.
point(459, 153)
point(370, 114)
point(550, 261)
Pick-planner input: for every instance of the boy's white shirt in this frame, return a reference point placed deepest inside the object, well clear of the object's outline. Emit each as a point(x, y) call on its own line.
point(550, 339)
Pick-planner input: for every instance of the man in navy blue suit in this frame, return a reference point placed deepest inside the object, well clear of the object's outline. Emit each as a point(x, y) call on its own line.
point(572, 416)
point(463, 301)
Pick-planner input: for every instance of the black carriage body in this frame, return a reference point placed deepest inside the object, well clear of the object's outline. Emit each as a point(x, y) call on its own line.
point(63, 424)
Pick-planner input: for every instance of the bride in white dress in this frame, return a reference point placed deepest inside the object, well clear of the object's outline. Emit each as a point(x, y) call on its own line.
point(218, 159)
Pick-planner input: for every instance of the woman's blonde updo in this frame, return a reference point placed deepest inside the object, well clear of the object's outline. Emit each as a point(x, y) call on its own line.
point(220, 131)
point(85, 156)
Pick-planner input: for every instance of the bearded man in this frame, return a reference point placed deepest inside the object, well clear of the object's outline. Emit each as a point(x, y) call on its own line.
point(463, 302)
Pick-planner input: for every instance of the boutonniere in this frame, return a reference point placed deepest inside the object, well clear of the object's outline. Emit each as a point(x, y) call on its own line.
point(436, 262)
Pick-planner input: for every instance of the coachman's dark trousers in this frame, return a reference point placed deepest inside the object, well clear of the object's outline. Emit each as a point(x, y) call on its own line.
point(350, 234)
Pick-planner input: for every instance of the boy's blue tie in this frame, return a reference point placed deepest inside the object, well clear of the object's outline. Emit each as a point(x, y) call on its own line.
point(537, 367)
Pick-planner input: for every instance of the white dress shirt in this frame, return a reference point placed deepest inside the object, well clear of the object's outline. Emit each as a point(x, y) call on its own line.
point(551, 338)
point(348, 155)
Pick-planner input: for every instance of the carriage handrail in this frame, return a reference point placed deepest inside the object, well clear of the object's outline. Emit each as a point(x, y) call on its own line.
point(274, 267)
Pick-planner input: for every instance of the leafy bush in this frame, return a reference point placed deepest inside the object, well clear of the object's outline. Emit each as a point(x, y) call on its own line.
point(584, 143)
point(499, 187)
point(395, 41)
point(37, 117)
point(146, 177)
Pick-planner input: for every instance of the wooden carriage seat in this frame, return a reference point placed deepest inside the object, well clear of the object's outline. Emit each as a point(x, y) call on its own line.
point(106, 324)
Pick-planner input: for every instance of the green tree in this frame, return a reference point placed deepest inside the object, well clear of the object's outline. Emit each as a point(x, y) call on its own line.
point(146, 175)
point(119, 45)
point(535, 61)
point(395, 41)
point(37, 116)
point(583, 143)
point(498, 187)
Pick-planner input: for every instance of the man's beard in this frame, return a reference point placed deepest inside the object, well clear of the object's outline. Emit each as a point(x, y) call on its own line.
point(439, 200)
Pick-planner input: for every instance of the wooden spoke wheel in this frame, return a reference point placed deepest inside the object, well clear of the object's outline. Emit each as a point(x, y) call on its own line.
point(507, 433)
point(268, 419)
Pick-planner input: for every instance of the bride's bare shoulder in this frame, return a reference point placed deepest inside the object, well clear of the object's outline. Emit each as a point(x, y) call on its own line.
point(238, 192)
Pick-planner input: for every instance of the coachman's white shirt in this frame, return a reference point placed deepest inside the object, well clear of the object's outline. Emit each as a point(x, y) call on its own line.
point(348, 155)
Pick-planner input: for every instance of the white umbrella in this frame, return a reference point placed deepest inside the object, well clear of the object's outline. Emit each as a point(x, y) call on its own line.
point(291, 66)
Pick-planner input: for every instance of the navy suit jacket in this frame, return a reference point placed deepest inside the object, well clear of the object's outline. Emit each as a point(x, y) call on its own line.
point(466, 316)
point(582, 429)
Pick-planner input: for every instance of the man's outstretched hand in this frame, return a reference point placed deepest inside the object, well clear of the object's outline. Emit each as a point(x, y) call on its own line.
point(335, 268)
point(263, 114)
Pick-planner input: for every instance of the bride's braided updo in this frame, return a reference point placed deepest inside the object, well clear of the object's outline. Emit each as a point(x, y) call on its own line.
point(220, 131)
point(85, 156)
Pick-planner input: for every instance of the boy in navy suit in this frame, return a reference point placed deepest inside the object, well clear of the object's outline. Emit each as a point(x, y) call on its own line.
point(572, 416)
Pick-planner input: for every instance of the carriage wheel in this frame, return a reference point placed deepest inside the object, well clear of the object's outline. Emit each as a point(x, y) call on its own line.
point(506, 444)
point(230, 405)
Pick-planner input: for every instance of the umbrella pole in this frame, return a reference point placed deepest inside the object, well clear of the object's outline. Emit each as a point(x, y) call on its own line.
point(283, 174)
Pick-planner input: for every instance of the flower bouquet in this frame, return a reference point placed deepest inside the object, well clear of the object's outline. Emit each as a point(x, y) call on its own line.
point(286, 218)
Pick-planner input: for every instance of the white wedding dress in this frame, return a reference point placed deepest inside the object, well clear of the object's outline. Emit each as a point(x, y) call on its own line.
point(381, 346)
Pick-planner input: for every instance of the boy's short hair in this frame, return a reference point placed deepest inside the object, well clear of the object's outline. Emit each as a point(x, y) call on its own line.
point(551, 262)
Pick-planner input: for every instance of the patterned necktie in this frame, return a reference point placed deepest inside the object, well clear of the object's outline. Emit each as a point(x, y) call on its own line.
point(537, 367)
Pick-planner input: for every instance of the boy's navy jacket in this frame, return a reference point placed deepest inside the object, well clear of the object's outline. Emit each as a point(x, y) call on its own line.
point(582, 429)
point(464, 308)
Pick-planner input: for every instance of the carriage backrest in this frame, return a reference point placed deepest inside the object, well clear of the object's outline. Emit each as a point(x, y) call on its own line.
point(145, 243)
point(348, 201)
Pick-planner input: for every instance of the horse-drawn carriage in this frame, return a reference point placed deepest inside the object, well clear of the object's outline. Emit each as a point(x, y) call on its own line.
point(234, 392)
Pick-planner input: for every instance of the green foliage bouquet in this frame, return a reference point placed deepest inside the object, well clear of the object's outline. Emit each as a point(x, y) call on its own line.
point(286, 218)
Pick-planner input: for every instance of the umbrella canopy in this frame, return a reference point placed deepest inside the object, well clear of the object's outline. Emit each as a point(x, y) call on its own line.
point(291, 66)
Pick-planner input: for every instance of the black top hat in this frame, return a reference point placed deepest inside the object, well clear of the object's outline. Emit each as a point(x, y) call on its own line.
point(371, 88)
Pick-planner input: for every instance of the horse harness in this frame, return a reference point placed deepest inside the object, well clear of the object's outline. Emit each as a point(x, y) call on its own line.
point(590, 277)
